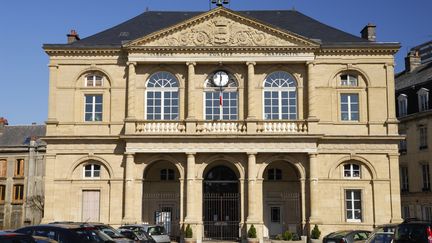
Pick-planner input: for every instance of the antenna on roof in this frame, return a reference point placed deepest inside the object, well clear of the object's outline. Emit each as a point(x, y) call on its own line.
point(147, 9)
point(220, 3)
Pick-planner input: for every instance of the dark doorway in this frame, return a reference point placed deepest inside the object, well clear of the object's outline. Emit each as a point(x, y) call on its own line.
point(221, 204)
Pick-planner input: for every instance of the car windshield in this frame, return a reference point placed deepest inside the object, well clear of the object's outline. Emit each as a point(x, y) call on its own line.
point(156, 230)
point(92, 235)
point(416, 232)
point(381, 237)
point(390, 229)
point(338, 234)
point(111, 232)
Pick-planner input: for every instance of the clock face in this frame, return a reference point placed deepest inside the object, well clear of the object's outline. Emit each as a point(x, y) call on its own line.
point(220, 78)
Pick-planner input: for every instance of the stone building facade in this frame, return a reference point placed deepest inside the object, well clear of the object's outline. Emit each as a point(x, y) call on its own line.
point(414, 112)
point(220, 120)
point(22, 161)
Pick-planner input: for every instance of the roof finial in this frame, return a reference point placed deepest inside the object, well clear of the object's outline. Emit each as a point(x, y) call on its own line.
point(220, 3)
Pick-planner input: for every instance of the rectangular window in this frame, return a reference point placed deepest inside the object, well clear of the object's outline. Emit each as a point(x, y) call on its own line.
point(423, 98)
point(403, 106)
point(426, 177)
point(427, 213)
point(352, 171)
point(423, 137)
point(3, 168)
point(403, 146)
point(353, 205)
point(93, 107)
point(404, 179)
point(19, 168)
point(275, 214)
point(18, 194)
point(348, 80)
point(405, 212)
point(349, 107)
point(2, 193)
point(221, 106)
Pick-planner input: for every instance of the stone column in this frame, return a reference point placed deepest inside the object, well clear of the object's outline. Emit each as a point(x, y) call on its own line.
point(131, 90)
point(251, 187)
point(190, 91)
point(129, 189)
point(52, 96)
point(251, 90)
point(190, 178)
point(182, 199)
point(313, 183)
point(395, 188)
point(303, 203)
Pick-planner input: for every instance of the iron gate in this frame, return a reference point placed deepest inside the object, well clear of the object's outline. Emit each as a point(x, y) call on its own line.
point(162, 209)
point(221, 216)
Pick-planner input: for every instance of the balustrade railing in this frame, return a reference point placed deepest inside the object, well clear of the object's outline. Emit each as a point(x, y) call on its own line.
point(143, 127)
point(221, 127)
point(282, 127)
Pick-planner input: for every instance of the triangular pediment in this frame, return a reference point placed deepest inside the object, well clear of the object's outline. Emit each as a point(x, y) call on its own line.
point(222, 28)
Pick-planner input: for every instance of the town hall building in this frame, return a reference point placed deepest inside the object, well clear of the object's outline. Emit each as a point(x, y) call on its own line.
point(220, 120)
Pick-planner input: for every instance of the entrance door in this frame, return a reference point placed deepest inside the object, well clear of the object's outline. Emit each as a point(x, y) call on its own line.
point(90, 206)
point(221, 204)
point(275, 226)
point(164, 217)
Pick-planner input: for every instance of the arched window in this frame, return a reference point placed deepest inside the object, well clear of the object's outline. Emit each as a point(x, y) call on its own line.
point(221, 96)
point(167, 175)
point(352, 171)
point(93, 99)
point(274, 174)
point(280, 96)
point(92, 171)
point(162, 97)
point(93, 80)
point(348, 80)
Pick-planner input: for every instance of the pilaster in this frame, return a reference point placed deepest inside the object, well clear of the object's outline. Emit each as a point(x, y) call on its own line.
point(395, 188)
point(52, 96)
point(129, 197)
point(313, 183)
point(131, 90)
point(251, 90)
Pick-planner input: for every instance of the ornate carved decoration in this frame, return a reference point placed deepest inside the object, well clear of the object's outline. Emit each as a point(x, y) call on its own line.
point(219, 31)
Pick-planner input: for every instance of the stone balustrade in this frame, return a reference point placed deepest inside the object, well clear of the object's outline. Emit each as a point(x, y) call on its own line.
point(221, 127)
point(159, 127)
point(282, 127)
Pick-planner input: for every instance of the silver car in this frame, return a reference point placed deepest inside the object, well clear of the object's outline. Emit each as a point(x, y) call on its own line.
point(157, 232)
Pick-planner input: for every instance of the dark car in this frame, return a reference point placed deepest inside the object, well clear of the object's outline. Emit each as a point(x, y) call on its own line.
point(137, 236)
point(113, 233)
point(347, 236)
point(67, 233)
point(382, 234)
point(413, 231)
point(10, 237)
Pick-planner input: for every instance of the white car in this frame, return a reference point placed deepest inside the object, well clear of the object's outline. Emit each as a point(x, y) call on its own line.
point(157, 232)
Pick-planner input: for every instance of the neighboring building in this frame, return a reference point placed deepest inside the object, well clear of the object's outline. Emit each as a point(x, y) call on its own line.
point(220, 120)
point(22, 165)
point(414, 112)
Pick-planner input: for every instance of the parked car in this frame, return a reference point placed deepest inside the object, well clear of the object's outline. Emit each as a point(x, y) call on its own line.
point(11, 237)
point(41, 239)
point(67, 233)
point(413, 231)
point(382, 234)
point(157, 232)
point(137, 236)
point(111, 232)
point(346, 236)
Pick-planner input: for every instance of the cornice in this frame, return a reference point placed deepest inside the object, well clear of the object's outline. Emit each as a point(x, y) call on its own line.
point(357, 50)
point(70, 51)
point(187, 49)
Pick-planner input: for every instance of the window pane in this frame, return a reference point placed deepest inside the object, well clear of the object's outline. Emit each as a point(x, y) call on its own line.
point(98, 98)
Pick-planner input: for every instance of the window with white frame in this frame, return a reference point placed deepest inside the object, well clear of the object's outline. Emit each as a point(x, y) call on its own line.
point(274, 174)
point(348, 80)
point(167, 175)
point(404, 178)
point(349, 107)
point(353, 204)
point(221, 102)
point(93, 107)
point(93, 81)
point(423, 99)
point(352, 171)
point(92, 171)
point(402, 105)
point(162, 96)
point(280, 96)
point(423, 137)
point(426, 177)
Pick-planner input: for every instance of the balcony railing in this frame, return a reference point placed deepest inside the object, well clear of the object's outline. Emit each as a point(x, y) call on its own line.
point(217, 127)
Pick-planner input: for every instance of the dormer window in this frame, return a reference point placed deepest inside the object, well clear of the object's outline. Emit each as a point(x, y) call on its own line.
point(402, 105)
point(348, 80)
point(92, 171)
point(93, 81)
point(423, 99)
point(352, 171)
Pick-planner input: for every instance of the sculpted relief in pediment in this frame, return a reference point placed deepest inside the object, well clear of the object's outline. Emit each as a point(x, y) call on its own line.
point(219, 31)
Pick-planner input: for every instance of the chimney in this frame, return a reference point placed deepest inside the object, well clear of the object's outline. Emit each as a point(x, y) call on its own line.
point(369, 32)
point(3, 123)
point(72, 37)
point(412, 60)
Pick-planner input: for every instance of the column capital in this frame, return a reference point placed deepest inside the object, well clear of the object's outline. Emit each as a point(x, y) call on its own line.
point(252, 153)
point(129, 154)
point(191, 64)
point(387, 65)
point(131, 64)
point(311, 63)
point(191, 153)
point(313, 155)
point(250, 63)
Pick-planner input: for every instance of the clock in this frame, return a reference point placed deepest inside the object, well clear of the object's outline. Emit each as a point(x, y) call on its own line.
point(220, 78)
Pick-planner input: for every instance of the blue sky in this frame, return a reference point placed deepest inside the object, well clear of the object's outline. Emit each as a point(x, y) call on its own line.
point(26, 24)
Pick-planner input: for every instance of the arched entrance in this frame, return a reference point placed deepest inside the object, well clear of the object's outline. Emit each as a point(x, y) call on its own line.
point(221, 209)
point(161, 196)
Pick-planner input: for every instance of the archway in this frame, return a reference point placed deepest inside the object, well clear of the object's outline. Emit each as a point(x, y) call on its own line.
point(161, 196)
point(221, 204)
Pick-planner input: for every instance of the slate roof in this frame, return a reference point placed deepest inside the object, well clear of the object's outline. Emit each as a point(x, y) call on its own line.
point(19, 136)
point(421, 74)
point(151, 21)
